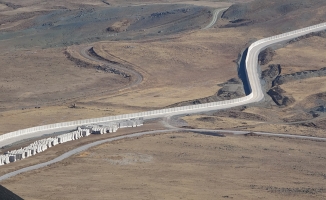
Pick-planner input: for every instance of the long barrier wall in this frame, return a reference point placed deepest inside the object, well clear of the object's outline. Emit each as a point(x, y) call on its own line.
point(252, 70)
point(120, 117)
point(176, 110)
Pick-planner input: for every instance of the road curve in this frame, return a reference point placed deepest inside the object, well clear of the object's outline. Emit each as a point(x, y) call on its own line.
point(253, 76)
point(255, 96)
point(215, 15)
point(205, 131)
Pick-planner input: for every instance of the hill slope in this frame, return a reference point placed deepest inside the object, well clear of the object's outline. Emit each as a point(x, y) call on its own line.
point(278, 15)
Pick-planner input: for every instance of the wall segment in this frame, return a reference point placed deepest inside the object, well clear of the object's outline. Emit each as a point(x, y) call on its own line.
point(252, 74)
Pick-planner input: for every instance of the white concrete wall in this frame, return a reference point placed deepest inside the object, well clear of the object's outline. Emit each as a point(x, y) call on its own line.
point(118, 117)
point(43, 144)
point(166, 111)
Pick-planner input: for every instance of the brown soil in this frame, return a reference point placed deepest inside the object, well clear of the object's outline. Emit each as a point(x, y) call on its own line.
point(45, 78)
point(277, 16)
point(305, 54)
point(266, 56)
point(119, 26)
point(177, 68)
point(58, 150)
point(172, 166)
point(188, 67)
point(240, 115)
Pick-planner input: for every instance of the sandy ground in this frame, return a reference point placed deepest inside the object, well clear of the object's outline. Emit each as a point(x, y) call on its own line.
point(183, 166)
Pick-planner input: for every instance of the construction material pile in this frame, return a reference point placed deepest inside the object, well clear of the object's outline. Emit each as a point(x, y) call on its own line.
point(82, 131)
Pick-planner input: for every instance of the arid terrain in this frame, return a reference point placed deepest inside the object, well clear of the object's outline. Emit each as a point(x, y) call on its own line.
point(55, 82)
point(302, 82)
point(186, 166)
point(47, 78)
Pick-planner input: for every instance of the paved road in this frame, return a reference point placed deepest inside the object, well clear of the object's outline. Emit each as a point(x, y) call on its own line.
point(215, 16)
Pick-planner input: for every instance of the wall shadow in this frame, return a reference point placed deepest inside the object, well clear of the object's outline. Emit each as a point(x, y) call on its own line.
point(242, 73)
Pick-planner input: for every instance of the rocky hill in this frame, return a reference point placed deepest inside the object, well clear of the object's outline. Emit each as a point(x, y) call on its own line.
point(277, 15)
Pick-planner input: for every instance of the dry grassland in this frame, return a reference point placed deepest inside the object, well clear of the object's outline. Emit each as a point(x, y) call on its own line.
point(185, 67)
point(306, 54)
point(174, 70)
point(184, 166)
point(301, 89)
point(170, 166)
point(251, 125)
point(19, 119)
point(46, 78)
point(58, 150)
point(214, 4)
point(179, 69)
point(39, 76)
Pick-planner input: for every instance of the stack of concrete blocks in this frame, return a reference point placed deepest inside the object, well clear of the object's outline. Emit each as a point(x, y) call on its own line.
point(4, 159)
point(42, 145)
point(102, 128)
point(82, 131)
point(139, 121)
point(123, 124)
point(131, 123)
point(112, 127)
point(75, 135)
point(85, 131)
point(96, 129)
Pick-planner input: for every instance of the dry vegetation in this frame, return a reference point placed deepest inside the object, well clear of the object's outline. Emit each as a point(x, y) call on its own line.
point(62, 148)
point(306, 54)
point(230, 123)
point(172, 68)
point(303, 55)
point(186, 166)
point(46, 78)
point(189, 67)
point(176, 68)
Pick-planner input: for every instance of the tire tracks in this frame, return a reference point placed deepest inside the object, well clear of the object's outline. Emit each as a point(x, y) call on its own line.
point(136, 77)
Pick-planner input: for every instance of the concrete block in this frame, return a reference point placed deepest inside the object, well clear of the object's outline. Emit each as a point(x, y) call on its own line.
point(1, 160)
point(28, 152)
point(6, 159)
point(12, 158)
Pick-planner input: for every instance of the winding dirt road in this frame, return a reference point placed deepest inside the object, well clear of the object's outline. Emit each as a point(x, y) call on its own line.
point(136, 77)
point(255, 96)
point(203, 131)
point(215, 15)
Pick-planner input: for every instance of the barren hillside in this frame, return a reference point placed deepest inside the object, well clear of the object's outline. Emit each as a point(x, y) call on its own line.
point(277, 16)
